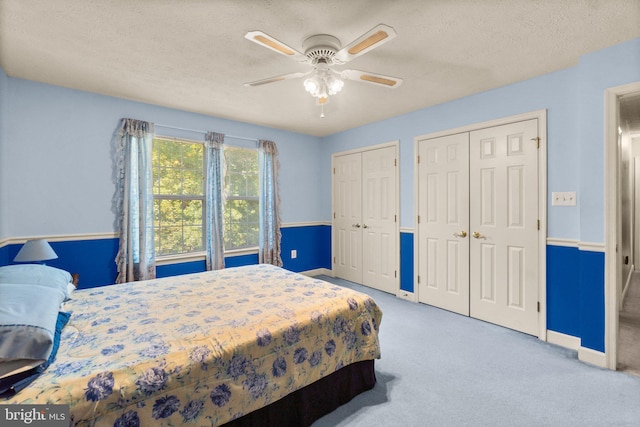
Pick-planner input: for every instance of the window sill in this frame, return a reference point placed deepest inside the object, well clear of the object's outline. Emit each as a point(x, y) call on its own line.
point(201, 256)
point(176, 259)
point(244, 251)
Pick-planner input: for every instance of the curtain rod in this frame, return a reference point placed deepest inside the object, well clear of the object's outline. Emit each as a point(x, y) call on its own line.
point(203, 132)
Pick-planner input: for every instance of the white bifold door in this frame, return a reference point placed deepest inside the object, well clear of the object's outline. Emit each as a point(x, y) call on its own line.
point(365, 228)
point(477, 234)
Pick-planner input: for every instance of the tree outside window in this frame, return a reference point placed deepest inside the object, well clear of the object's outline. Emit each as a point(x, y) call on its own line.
point(241, 214)
point(178, 187)
point(179, 197)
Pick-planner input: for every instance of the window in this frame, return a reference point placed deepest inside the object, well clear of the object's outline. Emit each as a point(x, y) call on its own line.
point(241, 188)
point(178, 196)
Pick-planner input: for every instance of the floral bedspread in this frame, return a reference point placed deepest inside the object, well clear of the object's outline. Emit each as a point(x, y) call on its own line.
point(204, 348)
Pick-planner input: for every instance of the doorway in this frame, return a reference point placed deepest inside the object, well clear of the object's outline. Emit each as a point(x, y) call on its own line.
point(622, 335)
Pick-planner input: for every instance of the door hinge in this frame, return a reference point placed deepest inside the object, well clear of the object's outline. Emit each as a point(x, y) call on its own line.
point(418, 219)
point(538, 306)
point(418, 279)
point(395, 273)
point(334, 260)
point(538, 224)
point(334, 171)
point(395, 218)
point(334, 215)
point(537, 140)
point(418, 159)
point(395, 162)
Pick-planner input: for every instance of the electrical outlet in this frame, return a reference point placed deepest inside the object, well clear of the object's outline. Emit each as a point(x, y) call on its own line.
point(294, 254)
point(563, 198)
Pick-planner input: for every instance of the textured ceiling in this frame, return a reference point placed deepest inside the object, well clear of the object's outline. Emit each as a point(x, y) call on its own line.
point(192, 54)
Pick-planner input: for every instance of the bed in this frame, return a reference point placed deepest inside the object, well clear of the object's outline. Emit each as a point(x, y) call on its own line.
point(241, 346)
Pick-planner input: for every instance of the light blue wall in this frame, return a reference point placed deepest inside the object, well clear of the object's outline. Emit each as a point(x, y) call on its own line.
point(598, 71)
point(546, 92)
point(60, 158)
point(574, 100)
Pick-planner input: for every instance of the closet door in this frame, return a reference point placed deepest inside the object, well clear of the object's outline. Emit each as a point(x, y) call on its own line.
point(477, 232)
point(347, 222)
point(365, 218)
point(380, 252)
point(443, 247)
point(504, 225)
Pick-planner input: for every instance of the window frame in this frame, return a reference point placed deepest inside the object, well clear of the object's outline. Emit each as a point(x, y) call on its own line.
point(201, 255)
point(227, 197)
point(183, 256)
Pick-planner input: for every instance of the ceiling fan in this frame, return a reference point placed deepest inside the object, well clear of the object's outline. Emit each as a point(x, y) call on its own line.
point(322, 52)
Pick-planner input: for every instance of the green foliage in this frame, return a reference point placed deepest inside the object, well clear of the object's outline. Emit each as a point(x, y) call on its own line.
point(178, 175)
point(241, 214)
point(178, 184)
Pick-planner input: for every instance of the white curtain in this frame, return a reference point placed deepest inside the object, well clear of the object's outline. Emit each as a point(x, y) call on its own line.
point(134, 201)
point(269, 251)
point(214, 202)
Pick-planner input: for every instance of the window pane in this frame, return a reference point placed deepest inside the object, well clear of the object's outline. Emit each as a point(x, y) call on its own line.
point(169, 241)
point(178, 226)
point(178, 167)
point(178, 170)
point(169, 212)
point(241, 224)
point(193, 182)
point(192, 212)
point(193, 238)
point(192, 156)
point(253, 185)
point(235, 185)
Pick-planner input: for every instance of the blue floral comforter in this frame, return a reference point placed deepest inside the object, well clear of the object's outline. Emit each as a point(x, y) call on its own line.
point(204, 348)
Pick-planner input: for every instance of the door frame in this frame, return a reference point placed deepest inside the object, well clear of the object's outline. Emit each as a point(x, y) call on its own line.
point(612, 223)
point(541, 116)
point(396, 146)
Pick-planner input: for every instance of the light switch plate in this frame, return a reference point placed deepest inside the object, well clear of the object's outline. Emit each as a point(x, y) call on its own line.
point(563, 198)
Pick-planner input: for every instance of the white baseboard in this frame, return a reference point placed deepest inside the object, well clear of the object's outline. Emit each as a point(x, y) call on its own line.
point(563, 340)
point(317, 272)
point(586, 355)
point(409, 296)
point(593, 357)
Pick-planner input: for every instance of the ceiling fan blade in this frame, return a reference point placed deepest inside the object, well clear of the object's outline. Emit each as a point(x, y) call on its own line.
point(276, 79)
point(377, 36)
point(264, 39)
point(376, 79)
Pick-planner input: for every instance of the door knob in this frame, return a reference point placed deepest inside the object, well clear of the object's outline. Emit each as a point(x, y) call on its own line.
point(365, 226)
point(355, 225)
point(477, 235)
point(461, 234)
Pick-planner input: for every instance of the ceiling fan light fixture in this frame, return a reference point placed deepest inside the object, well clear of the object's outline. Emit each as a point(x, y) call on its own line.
point(313, 85)
point(334, 84)
point(323, 84)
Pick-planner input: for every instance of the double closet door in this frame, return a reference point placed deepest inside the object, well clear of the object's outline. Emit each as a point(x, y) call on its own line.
point(365, 221)
point(478, 224)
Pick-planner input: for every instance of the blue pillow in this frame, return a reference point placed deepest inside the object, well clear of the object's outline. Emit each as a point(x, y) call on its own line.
point(12, 384)
point(36, 274)
point(28, 315)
